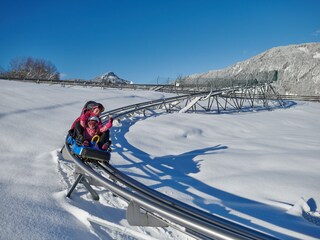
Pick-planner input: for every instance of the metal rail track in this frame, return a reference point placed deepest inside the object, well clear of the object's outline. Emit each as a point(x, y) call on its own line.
point(122, 111)
point(201, 224)
point(192, 221)
point(183, 89)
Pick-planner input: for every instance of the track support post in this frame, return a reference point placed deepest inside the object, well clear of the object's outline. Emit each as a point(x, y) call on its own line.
point(82, 179)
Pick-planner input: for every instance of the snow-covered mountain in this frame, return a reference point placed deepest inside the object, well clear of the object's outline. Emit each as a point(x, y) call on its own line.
point(110, 78)
point(296, 68)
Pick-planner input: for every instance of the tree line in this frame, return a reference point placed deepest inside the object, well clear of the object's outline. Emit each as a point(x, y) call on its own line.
point(30, 68)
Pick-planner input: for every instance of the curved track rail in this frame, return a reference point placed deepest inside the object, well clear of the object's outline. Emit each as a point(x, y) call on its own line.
point(191, 220)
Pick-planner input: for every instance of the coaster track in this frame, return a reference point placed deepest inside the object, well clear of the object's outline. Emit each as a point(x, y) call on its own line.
point(172, 88)
point(148, 207)
point(172, 212)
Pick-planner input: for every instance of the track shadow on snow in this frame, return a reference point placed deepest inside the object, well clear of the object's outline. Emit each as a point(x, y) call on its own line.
point(174, 171)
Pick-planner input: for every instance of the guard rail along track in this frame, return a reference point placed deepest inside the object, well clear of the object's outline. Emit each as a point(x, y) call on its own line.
point(175, 88)
point(147, 207)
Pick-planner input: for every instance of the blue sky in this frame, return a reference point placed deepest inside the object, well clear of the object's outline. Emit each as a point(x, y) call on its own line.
point(149, 41)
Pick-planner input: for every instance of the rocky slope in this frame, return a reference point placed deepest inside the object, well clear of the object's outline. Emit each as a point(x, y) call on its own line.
point(295, 67)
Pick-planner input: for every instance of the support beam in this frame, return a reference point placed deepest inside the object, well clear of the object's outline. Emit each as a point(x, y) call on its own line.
point(74, 185)
point(190, 105)
point(81, 179)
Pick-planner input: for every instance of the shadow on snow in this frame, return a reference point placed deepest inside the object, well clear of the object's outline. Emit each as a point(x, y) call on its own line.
point(176, 170)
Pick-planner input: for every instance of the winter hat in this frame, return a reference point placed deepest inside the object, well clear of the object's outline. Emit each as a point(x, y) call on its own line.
point(93, 118)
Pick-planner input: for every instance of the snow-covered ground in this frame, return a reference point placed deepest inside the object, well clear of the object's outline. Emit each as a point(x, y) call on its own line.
point(251, 168)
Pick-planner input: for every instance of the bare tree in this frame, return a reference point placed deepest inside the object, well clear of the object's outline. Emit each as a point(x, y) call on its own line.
point(31, 68)
point(1, 71)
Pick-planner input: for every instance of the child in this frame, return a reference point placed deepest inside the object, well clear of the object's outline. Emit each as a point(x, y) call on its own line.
point(93, 128)
point(92, 109)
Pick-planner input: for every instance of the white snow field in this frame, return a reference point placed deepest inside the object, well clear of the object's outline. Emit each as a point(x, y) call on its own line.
point(259, 169)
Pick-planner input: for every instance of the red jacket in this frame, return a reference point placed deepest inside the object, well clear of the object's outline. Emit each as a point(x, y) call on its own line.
point(88, 133)
point(84, 118)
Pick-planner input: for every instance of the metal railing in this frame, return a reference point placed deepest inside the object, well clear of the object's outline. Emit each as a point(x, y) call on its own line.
point(181, 88)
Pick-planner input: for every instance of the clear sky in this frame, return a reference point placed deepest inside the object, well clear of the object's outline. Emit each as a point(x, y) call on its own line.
point(149, 41)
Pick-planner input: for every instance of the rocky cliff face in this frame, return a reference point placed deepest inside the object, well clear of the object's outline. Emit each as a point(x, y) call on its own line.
point(297, 69)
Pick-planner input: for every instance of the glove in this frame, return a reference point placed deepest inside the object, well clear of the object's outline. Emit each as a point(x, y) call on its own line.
point(79, 140)
point(85, 143)
point(109, 123)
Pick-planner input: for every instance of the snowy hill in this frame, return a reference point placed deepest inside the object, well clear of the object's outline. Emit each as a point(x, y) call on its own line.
point(111, 78)
point(297, 69)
